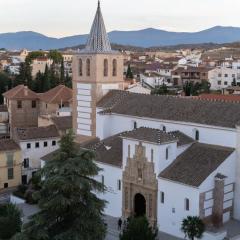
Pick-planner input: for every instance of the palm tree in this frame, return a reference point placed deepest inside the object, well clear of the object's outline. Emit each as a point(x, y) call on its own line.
point(10, 221)
point(193, 227)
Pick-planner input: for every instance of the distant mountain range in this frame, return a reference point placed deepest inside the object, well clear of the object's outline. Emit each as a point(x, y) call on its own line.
point(142, 38)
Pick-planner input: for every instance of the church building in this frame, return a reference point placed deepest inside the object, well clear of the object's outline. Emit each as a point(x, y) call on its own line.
point(165, 157)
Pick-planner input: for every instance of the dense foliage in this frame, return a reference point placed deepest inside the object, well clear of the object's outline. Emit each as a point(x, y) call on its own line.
point(10, 221)
point(193, 227)
point(194, 89)
point(138, 229)
point(5, 84)
point(129, 73)
point(69, 207)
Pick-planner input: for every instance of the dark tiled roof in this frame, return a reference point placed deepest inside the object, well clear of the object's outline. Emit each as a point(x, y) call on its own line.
point(195, 164)
point(183, 139)
point(63, 123)
point(37, 132)
point(8, 145)
point(109, 150)
point(150, 135)
point(181, 109)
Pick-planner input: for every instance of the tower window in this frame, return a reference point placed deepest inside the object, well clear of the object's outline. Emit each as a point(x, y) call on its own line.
point(88, 67)
point(105, 70)
point(119, 185)
point(167, 153)
point(134, 124)
point(151, 155)
point(114, 73)
point(129, 151)
point(80, 67)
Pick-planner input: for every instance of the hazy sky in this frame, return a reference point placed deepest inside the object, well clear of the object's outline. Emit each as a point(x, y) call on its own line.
point(70, 17)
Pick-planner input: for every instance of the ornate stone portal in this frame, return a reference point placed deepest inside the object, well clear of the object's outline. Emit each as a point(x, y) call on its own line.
point(139, 178)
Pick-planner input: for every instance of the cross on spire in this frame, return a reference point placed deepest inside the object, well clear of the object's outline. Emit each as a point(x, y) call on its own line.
point(98, 41)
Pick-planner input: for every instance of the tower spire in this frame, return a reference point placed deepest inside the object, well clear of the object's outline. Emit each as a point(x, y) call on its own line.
point(98, 41)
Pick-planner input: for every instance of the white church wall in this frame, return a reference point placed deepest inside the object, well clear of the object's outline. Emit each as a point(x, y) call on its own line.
point(159, 153)
point(113, 194)
point(226, 168)
point(207, 134)
point(172, 211)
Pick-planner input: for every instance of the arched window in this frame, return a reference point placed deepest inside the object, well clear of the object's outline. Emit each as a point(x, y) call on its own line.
point(163, 128)
point(114, 73)
point(167, 153)
point(88, 67)
point(80, 67)
point(196, 134)
point(105, 68)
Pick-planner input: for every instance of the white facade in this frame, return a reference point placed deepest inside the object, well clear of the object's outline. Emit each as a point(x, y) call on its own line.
point(32, 151)
point(154, 80)
point(223, 77)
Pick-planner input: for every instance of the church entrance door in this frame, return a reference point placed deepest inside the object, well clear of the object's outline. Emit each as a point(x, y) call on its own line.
point(139, 205)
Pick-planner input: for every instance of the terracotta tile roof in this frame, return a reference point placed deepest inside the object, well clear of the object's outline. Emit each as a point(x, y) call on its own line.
point(220, 97)
point(150, 135)
point(173, 108)
point(21, 92)
point(8, 145)
point(195, 164)
point(57, 95)
point(37, 133)
point(63, 123)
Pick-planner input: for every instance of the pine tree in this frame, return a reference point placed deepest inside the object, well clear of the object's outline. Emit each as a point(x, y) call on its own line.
point(69, 207)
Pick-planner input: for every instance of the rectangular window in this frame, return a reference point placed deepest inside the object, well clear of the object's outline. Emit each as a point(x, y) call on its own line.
point(119, 183)
point(5, 185)
point(10, 173)
point(54, 143)
point(26, 163)
point(135, 125)
point(28, 145)
point(187, 204)
point(225, 83)
point(19, 104)
point(102, 180)
point(45, 144)
point(226, 75)
point(219, 82)
point(37, 145)
point(34, 104)
point(151, 155)
point(162, 197)
point(219, 75)
point(9, 160)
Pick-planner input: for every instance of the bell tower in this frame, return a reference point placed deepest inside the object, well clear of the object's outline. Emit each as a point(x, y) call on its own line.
point(96, 70)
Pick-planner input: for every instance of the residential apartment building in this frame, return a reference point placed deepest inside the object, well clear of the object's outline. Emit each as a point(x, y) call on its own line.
point(35, 143)
point(223, 77)
point(10, 164)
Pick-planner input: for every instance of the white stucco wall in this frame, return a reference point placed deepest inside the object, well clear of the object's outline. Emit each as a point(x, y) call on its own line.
point(175, 195)
point(34, 154)
point(113, 195)
point(108, 125)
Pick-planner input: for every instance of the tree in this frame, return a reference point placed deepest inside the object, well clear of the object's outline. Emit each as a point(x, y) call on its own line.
point(138, 229)
point(129, 73)
point(10, 221)
point(62, 74)
point(69, 207)
point(160, 90)
point(193, 227)
point(55, 56)
point(5, 84)
point(46, 80)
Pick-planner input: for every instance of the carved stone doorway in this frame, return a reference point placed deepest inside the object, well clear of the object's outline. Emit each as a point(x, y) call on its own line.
point(139, 205)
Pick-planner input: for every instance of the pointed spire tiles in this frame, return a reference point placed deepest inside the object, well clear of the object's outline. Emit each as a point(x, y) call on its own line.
point(98, 41)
